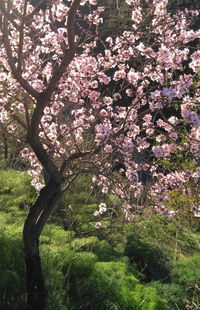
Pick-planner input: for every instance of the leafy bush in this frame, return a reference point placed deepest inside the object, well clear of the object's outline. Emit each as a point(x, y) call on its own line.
point(110, 285)
point(174, 294)
point(183, 205)
point(16, 191)
point(183, 291)
point(149, 259)
point(101, 248)
point(187, 271)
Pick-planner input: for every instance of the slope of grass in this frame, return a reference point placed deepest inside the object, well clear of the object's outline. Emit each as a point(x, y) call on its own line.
point(152, 264)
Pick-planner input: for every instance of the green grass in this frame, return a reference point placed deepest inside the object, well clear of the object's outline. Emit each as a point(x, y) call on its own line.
point(151, 264)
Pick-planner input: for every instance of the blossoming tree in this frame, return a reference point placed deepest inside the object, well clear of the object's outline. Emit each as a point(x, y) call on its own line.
point(62, 95)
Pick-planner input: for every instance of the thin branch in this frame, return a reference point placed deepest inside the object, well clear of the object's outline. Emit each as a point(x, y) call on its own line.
point(16, 73)
point(21, 37)
point(71, 158)
point(7, 14)
point(20, 121)
point(28, 17)
point(4, 128)
point(27, 113)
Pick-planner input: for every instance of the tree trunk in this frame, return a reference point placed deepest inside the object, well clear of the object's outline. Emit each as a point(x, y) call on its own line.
point(36, 291)
point(35, 221)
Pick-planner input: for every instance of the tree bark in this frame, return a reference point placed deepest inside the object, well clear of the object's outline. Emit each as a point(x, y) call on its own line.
point(36, 291)
point(35, 221)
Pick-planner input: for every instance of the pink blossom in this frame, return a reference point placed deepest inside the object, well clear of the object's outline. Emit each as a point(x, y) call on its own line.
point(108, 148)
point(173, 135)
point(147, 118)
point(129, 92)
point(195, 64)
point(196, 211)
point(137, 15)
point(102, 208)
point(121, 74)
point(98, 225)
point(158, 152)
point(104, 113)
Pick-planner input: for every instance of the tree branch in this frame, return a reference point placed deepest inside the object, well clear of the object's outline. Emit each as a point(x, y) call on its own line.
point(9, 17)
point(21, 37)
point(20, 121)
point(69, 53)
point(44, 158)
point(28, 17)
point(16, 73)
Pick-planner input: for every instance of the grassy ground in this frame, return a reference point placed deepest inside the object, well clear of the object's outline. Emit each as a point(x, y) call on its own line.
point(151, 264)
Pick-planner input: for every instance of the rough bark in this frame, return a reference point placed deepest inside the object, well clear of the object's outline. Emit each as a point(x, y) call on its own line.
point(35, 221)
point(36, 291)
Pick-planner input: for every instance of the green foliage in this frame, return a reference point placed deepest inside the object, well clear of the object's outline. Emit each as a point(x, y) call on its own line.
point(15, 190)
point(183, 205)
point(53, 234)
point(110, 285)
point(187, 271)
point(76, 207)
point(122, 267)
point(119, 284)
point(181, 160)
point(183, 292)
point(101, 248)
point(12, 288)
point(173, 293)
point(167, 234)
point(75, 211)
point(149, 259)
point(149, 299)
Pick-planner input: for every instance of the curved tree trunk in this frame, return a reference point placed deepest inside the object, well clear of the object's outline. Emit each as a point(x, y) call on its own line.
point(35, 221)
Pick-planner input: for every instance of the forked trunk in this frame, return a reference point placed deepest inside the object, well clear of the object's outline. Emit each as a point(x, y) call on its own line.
point(35, 221)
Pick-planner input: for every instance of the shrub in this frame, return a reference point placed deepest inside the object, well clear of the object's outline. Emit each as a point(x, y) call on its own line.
point(149, 259)
point(16, 191)
point(187, 272)
point(110, 285)
point(183, 292)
